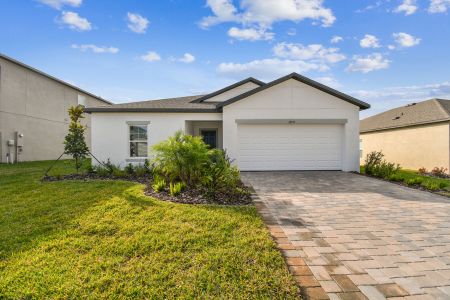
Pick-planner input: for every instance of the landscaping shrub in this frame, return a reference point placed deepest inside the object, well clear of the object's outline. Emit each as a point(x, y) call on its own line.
point(423, 171)
point(129, 169)
point(432, 186)
point(414, 181)
point(220, 175)
point(141, 171)
point(443, 185)
point(182, 158)
point(175, 188)
point(159, 185)
point(439, 172)
point(396, 177)
point(373, 159)
point(118, 173)
point(188, 160)
point(376, 166)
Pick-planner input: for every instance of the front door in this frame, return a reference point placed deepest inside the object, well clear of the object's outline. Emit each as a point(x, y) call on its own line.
point(209, 137)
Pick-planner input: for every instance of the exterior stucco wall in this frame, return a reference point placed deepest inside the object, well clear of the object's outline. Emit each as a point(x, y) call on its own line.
point(413, 147)
point(233, 92)
point(36, 106)
point(110, 133)
point(294, 100)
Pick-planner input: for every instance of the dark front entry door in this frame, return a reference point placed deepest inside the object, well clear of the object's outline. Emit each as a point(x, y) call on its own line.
point(209, 137)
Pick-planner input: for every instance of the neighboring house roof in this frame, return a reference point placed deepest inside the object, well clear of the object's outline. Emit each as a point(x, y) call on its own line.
point(426, 112)
point(305, 80)
point(230, 87)
point(181, 104)
point(197, 104)
point(12, 60)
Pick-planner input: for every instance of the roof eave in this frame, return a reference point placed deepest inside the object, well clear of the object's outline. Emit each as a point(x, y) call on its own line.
point(157, 110)
point(405, 126)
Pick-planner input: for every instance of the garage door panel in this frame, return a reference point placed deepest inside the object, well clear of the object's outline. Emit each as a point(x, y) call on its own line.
point(290, 147)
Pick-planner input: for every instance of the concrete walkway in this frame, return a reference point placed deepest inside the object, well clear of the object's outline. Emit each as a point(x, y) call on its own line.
point(346, 236)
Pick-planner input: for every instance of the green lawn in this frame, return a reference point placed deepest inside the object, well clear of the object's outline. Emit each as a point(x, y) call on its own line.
point(106, 239)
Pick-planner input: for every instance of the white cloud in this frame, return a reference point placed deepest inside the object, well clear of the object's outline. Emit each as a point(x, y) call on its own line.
point(386, 98)
point(328, 81)
point(265, 13)
point(405, 40)
point(137, 23)
point(291, 32)
point(369, 41)
point(250, 34)
point(369, 63)
point(58, 4)
point(336, 39)
point(187, 58)
point(408, 7)
point(314, 52)
point(439, 6)
point(95, 49)
point(75, 22)
point(377, 4)
point(413, 92)
point(266, 69)
point(151, 56)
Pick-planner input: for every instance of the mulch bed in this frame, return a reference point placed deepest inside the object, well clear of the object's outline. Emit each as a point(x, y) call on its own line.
point(197, 196)
point(86, 177)
point(189, 196)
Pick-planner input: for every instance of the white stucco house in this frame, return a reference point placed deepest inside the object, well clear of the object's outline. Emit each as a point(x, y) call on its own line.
point(292, 123)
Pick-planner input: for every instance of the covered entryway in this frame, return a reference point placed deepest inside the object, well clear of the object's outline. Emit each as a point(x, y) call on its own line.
point(293, 146)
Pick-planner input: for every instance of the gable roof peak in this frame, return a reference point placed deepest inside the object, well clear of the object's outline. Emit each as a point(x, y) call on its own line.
point(305, 80)
point(230, 87)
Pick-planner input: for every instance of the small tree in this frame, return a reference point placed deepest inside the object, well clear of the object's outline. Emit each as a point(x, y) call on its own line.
point(74, 142)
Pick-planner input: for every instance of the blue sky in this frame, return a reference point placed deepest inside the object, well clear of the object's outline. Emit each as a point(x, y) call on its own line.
point(385, 52)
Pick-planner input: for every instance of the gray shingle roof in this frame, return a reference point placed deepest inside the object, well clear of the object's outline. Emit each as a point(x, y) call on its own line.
point(181, 104)
point(430, 111)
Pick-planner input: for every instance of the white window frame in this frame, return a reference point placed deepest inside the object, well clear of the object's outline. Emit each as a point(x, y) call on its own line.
point(129, 141)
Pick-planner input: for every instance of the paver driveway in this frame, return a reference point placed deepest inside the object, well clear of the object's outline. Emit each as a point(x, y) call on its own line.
point(346, 236)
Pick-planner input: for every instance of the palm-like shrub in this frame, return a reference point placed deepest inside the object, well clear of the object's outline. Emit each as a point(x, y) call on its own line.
point(182, 158)
point(220, 175)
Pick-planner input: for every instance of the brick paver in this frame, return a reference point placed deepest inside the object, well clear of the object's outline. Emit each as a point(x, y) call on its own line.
point(346, 236)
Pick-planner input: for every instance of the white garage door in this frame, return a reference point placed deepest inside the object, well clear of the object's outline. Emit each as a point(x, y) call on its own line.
point(290, 147)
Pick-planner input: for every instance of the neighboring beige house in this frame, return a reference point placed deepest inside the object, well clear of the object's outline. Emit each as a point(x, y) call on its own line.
point(33, 112)
point(416, 135)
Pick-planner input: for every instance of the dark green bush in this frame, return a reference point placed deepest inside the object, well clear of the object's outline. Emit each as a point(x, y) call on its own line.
point(141, 171)
point(432, 186)
point(396, 177)
point(376, 166)
point(129, 169)
point(443, 185)
point(220, 175)
point(414, 181)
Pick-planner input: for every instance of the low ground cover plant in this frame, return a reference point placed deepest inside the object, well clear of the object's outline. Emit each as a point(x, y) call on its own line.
point(436, 181)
